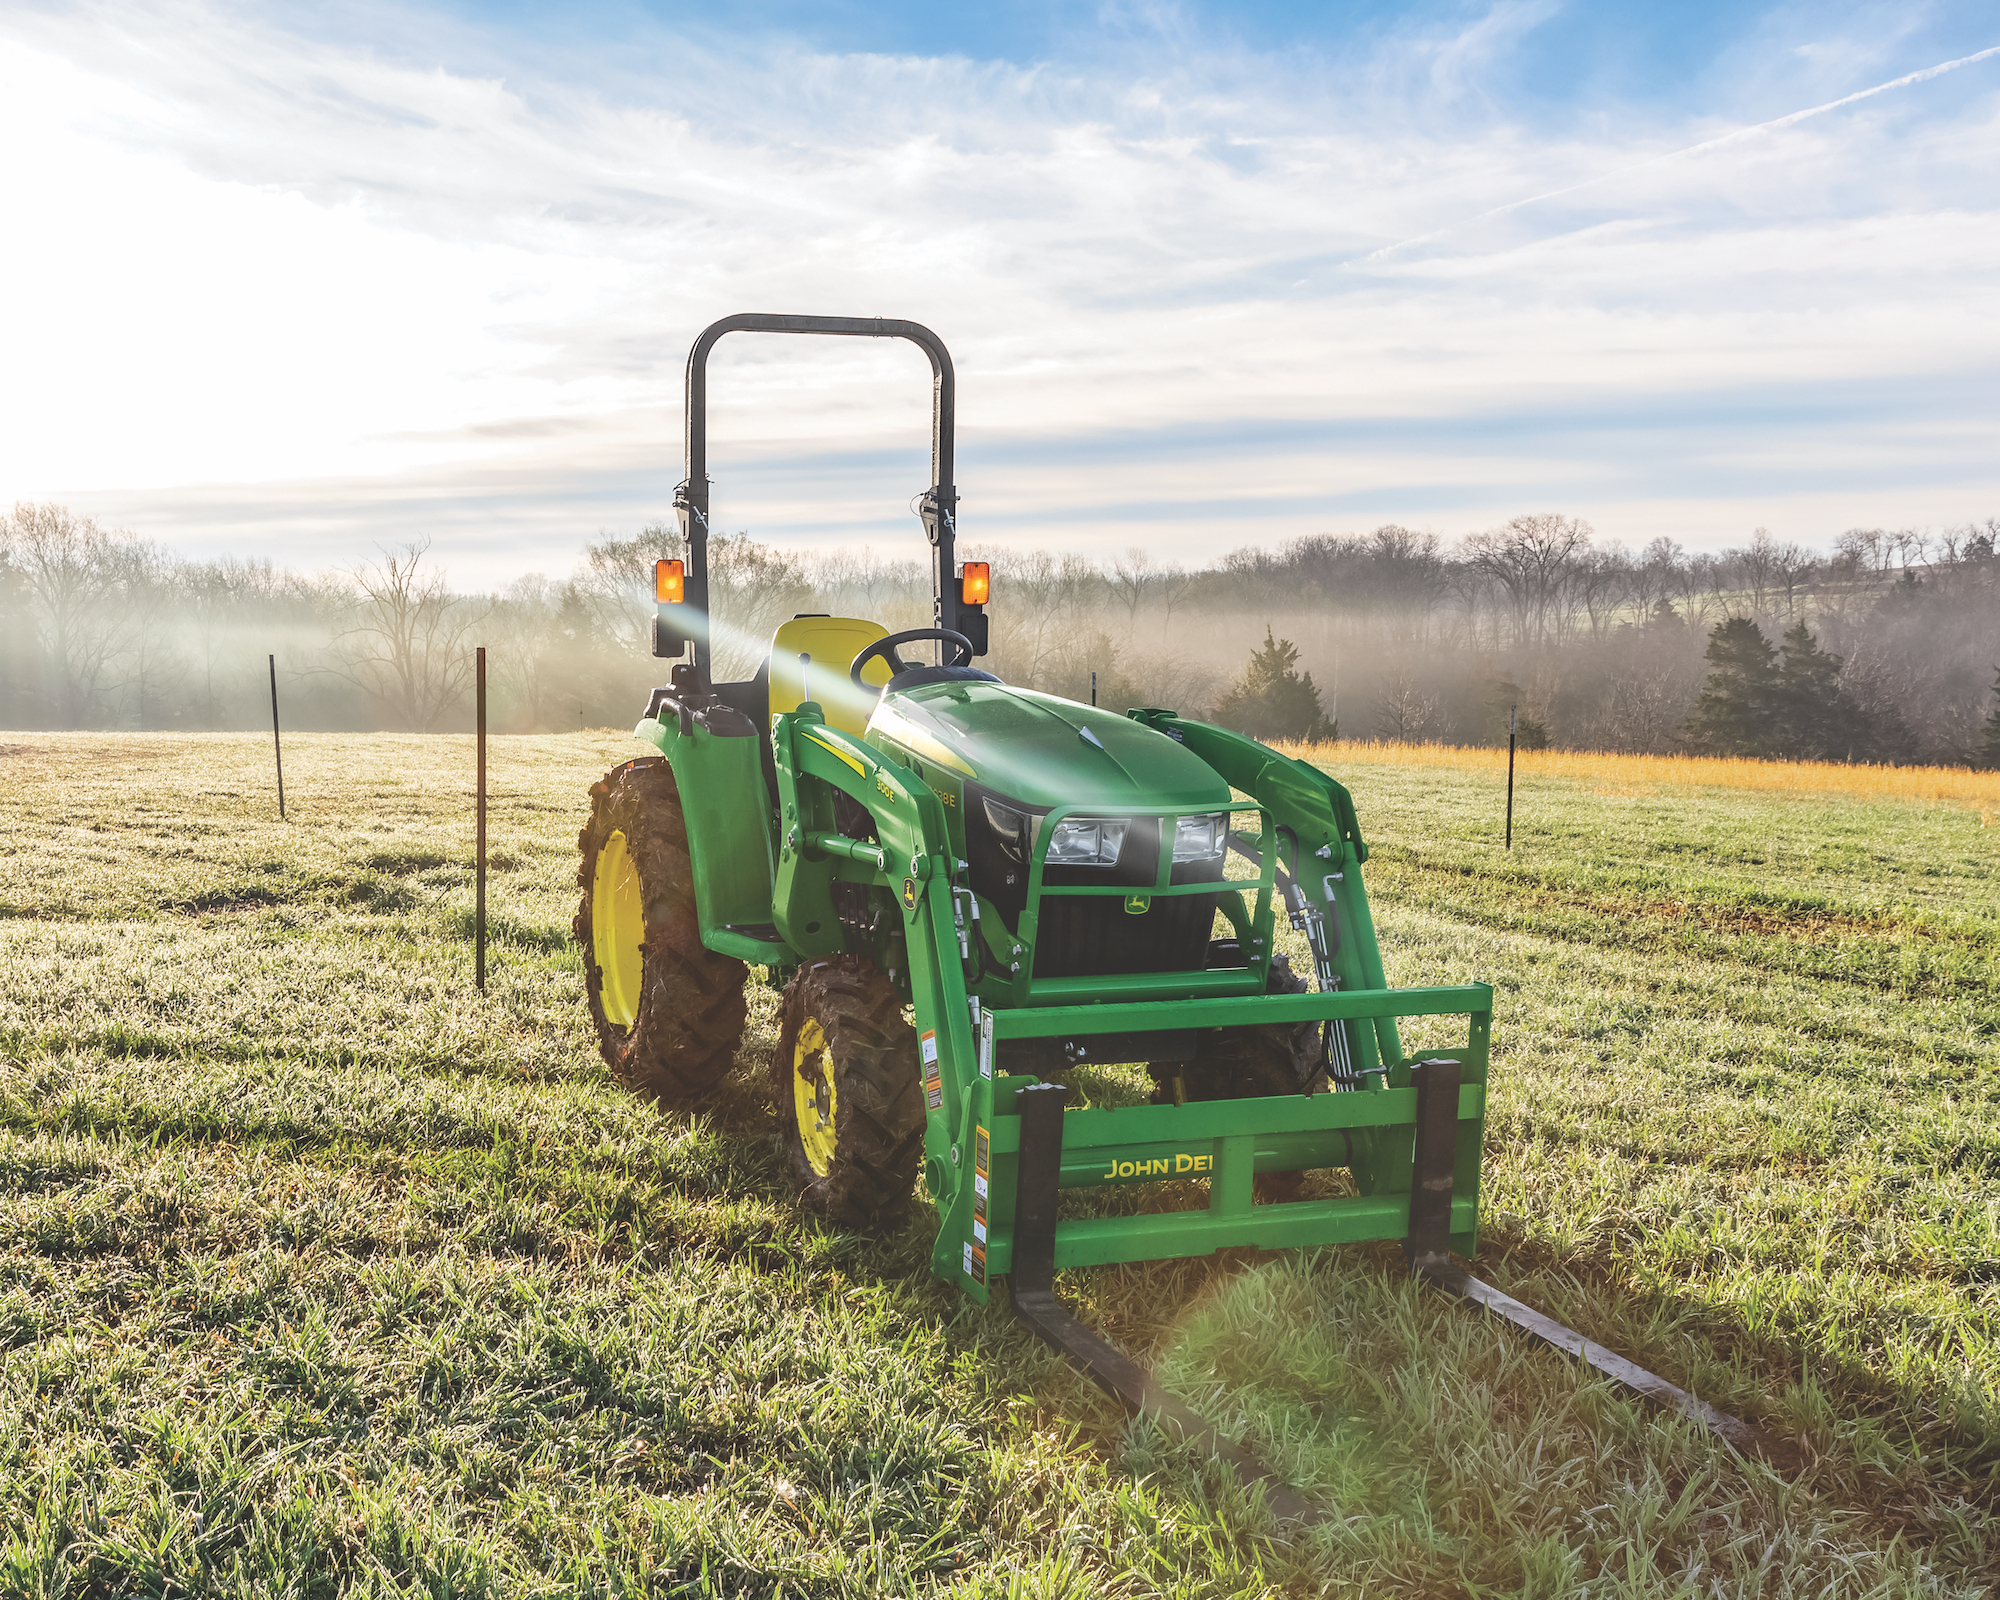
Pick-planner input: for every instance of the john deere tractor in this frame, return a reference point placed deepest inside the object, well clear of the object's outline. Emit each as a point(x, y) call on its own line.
point(965, 890)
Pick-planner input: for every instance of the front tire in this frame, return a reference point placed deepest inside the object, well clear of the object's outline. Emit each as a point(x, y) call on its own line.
point(845, 1077)
point(668, 1011)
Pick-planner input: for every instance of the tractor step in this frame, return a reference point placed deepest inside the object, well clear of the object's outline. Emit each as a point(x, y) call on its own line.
point(1032, 1284)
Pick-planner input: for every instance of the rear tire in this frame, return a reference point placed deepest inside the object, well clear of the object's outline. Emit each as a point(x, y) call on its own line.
point(845, 1077)
point(669, 1012)
point(1271, 1058)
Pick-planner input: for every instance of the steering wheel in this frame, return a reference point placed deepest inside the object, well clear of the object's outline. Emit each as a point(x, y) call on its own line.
point(886, 647)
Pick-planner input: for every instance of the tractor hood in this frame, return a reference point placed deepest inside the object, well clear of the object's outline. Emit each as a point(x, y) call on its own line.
point(1042, 751)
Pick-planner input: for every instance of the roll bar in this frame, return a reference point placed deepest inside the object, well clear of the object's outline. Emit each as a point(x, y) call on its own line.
point(939, 508)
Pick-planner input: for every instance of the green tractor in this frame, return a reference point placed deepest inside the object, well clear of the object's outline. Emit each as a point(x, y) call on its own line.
point(964, 890)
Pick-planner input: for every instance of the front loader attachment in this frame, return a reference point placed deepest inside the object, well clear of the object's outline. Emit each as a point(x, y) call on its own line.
point(1411, 1145)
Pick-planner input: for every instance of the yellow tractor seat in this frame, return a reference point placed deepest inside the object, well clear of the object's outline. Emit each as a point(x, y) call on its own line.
point(809, 661)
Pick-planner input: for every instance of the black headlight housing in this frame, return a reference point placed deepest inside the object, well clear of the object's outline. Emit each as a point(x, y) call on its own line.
point(1000, 840)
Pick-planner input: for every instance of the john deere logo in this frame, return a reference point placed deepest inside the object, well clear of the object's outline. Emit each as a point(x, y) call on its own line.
point(1137, 905)
point(909, 894)
point(1178, 1165)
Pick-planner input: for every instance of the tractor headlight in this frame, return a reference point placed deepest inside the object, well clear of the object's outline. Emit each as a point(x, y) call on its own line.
point(1087, 842)
point(1015, 829)
point(1201, 838)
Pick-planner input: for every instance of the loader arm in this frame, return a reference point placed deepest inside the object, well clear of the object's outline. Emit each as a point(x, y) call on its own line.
point(911, 859)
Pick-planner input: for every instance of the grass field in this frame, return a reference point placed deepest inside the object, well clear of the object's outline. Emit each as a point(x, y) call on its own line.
point(321, 1274)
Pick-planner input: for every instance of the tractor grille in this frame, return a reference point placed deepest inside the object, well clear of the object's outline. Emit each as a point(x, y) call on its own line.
point(1093, 936)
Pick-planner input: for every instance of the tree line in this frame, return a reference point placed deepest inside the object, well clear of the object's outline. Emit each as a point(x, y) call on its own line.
point(1880, 648)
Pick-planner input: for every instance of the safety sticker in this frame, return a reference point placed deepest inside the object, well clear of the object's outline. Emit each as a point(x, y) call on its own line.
point(986, 1045)
point(975, 1253)
point(933, 1078)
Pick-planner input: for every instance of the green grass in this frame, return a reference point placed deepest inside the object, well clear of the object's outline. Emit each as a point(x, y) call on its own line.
point(320, 1273)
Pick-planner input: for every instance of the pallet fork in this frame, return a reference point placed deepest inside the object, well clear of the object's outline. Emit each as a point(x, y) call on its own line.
point(1426, 1246)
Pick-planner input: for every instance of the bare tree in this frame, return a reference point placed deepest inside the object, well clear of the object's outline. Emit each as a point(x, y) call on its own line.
point(1702, 585)
point(1048, 615)
point(217, 598)
point(1174, 583)
point(1530, 559)
point(615, 579)
point(1601, 582)
point(1755, 567)
point(527, 625)
point(74, 574)
point(1405, 578)
point(1643, 710)
point(751, 589)
point(1406, 711)
point(859, 583)
point(407, 644)
point(1131, 576)
point(1862, 565)
point(150, 661)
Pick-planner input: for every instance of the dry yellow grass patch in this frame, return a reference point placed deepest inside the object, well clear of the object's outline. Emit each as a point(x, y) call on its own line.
point(1978, 791)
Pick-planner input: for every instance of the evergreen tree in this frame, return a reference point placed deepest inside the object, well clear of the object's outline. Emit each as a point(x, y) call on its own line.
point(1989, 752)
point(1273, 699)
point(1735, 714)
point(1816, 719)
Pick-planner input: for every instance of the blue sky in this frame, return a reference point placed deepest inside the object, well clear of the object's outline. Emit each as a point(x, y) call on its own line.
point(309, 280)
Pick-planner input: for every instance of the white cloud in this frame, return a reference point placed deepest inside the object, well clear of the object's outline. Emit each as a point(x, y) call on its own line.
point(271, 282)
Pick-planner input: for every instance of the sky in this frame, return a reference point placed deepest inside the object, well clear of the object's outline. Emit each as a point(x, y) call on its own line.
point(308, 282)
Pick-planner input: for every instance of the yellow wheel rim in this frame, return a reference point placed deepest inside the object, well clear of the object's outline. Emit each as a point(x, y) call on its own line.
point(617, 928)
point(813, 1096)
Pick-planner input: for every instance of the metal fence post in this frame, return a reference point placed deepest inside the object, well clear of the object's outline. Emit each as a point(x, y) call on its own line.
point(479, 873)
point(277, 749)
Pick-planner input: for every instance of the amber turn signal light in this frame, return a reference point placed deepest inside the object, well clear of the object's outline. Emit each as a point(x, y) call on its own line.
point(975, 583)
point(669, 582)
